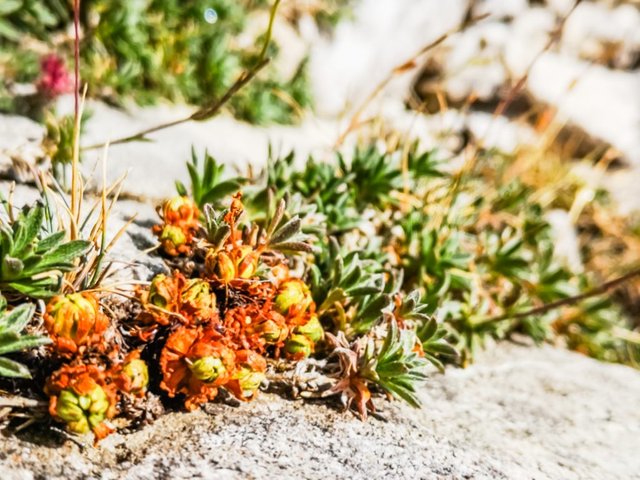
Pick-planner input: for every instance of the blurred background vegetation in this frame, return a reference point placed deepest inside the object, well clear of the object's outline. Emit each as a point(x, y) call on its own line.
point(150, 50)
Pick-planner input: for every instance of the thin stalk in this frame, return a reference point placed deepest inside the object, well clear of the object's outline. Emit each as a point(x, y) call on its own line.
point(211, 108)
point(76, 116)
point(267, 40)
point(542, 309)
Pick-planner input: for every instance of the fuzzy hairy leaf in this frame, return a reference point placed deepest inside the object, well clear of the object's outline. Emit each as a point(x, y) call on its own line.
point(12, 369)
point(12, 323)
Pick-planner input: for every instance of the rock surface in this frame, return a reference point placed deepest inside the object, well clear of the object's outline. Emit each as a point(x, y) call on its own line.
point(519, 412)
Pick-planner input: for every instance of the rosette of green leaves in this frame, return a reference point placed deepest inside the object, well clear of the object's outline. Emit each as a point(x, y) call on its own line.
point(30, 264)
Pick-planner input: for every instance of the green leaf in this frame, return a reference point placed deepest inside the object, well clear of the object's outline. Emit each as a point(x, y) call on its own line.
point(17, 319)
point(50, 242)
point(9, 6)
point(12, 369)
point(180, 188)
point(8, 31)
point(27, 228)
point(41, 288)
point(13, 342)
point(288, 230)
point(220, 191)
point(62, 256)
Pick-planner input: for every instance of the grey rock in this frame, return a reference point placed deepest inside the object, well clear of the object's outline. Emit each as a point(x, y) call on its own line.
point(519, 412)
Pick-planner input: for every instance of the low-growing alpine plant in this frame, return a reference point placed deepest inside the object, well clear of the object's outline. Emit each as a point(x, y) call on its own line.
point(264, 275)
point(371, 272)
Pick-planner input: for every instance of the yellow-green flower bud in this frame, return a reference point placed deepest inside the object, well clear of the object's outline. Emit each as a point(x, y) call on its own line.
point(271, 332)
point(298, 346)
point(249, 380)
point(138, 374)
point(160, 291)
point(75, 317)
point(207, 369)
point(176, 203)
point(225, 269)
point(82, 412)
point(180, 210)
point(312, 329)
point(173, 235)
point(197, 293)
point(293, 293)
point(248, 263)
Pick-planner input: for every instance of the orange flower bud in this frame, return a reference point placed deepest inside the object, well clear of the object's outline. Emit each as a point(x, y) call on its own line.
point(249, 374)
point(180, 211)
point(223, 267)
point(272, 331)
point(74, 320)
point(174, 240)
point(198, 301)
point(163, 292)
point(133, 375)
point(248, 263)
point(194, 362)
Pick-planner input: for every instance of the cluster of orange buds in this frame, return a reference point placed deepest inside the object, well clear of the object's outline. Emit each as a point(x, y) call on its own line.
point(74, 321)
point(84, 393)
point(180, 217)
point(229, 264)
point(168, 298)
point(234, 260)
point(195, 361)
point(221, 328)
point(83, 397)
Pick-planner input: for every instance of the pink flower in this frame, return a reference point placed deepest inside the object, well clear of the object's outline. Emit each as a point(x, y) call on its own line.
point(54, 77)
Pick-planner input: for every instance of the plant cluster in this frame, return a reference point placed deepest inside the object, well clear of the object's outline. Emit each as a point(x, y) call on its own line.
point(372, 272)
point(145, 50)
point(241, 305)
point(475, 244)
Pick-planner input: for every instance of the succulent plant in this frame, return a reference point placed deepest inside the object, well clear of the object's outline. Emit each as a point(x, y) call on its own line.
point(32, 264)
